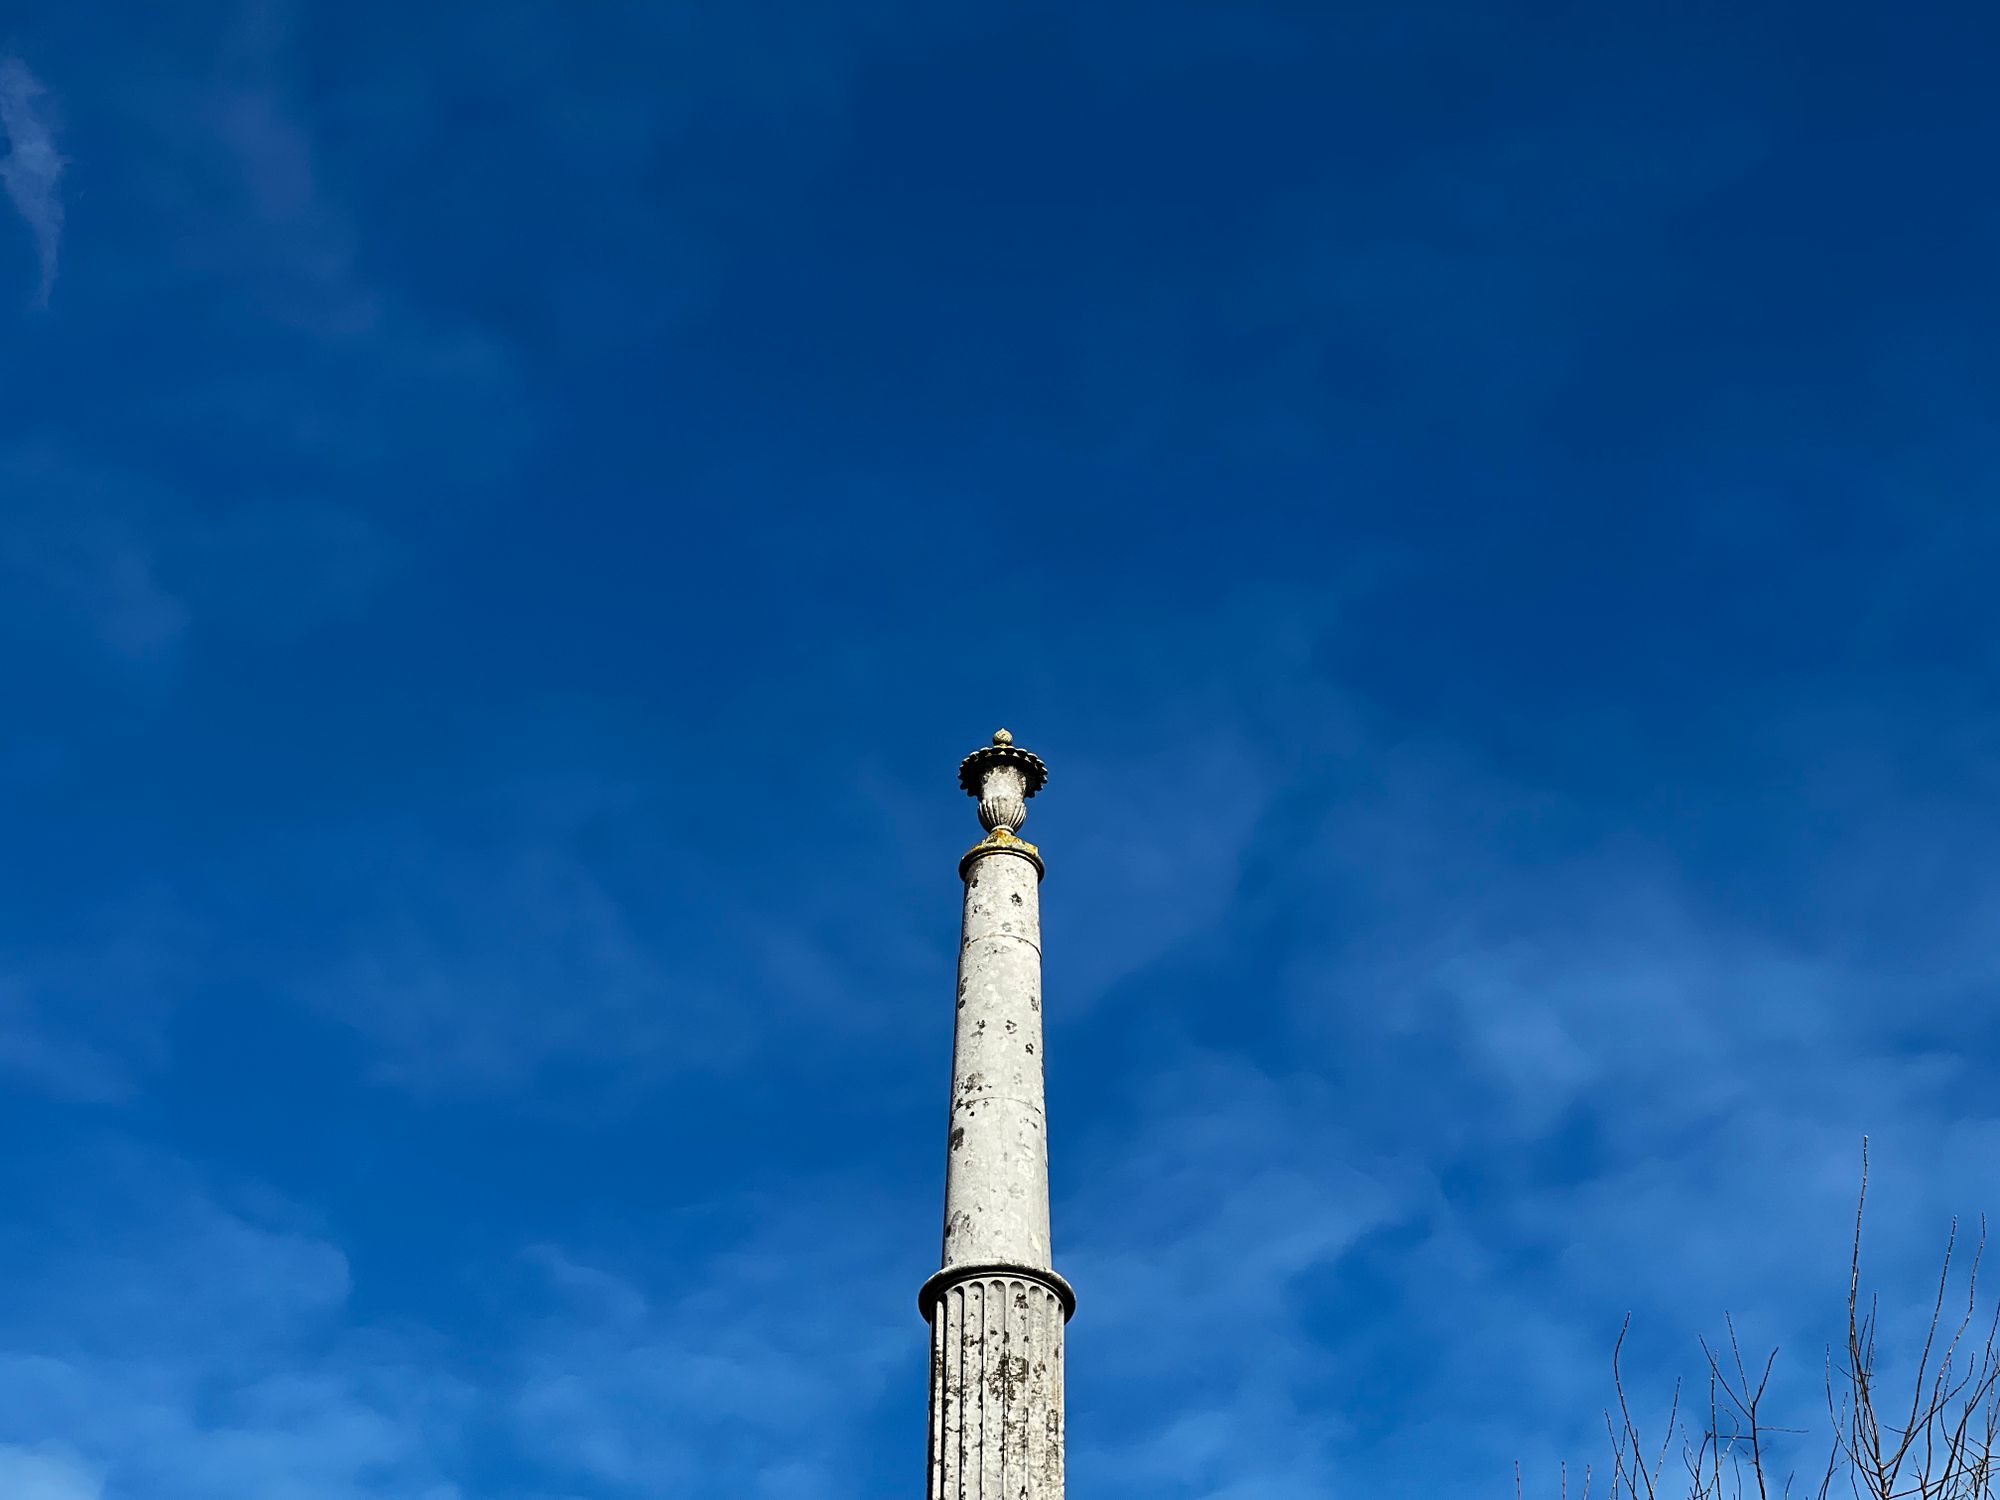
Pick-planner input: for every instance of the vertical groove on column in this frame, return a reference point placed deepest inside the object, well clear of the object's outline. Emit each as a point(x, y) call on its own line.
point(1020, 1316)
point(995, 1396)
point(942, 1435)
point(1057, 1387)
point(1034, 1436)
point(934, 1459)
point(968, 1382)
point(1033, 1351)
point(992, 1385)
point(951, 1461)
point(991, 1417)
point(1014, 1387)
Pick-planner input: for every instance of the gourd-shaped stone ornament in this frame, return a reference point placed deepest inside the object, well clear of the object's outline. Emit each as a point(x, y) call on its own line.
point(1002, 776)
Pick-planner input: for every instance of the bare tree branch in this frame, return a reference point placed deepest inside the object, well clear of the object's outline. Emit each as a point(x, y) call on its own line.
point(1934, 1440)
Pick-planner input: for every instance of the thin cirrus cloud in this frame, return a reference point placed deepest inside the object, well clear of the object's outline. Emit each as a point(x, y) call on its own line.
point(33, 167)
point(40, 1473)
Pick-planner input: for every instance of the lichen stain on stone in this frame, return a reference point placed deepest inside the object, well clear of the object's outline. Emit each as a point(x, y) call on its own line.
point(958, 1137)
point(1008, 1377)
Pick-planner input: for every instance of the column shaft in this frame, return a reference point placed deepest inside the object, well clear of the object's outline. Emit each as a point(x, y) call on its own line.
point(997, 1308)
point(996, 1192)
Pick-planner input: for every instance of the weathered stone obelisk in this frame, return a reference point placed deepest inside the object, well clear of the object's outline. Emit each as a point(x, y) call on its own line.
point(997, 1308)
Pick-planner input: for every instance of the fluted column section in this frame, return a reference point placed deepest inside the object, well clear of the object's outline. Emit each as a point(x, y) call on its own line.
point(996, 1390)
point(997, 1307)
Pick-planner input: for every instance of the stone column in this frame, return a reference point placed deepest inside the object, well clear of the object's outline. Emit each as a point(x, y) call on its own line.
point(997, 1307)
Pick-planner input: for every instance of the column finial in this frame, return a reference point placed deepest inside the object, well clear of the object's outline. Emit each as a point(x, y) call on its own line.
point(1002, 777)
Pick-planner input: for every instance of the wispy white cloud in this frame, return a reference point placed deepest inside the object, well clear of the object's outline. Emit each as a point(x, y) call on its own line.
point(41, 1044)
point(1193, 1246)
point(83, 1018)
point(33, 167)
point(164, 1344)
point(81, 563)
point(131, 571)
point(46, 1474)
point(757, 1375)
point(483, 968)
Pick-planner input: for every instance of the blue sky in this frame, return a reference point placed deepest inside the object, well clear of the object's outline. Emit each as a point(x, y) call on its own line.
point(512, 513)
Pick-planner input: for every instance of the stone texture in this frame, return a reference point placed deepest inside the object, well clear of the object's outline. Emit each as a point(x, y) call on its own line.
point(997, 1170)
point(1003, 799)
point(996, 1306)
point(997, 1390)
